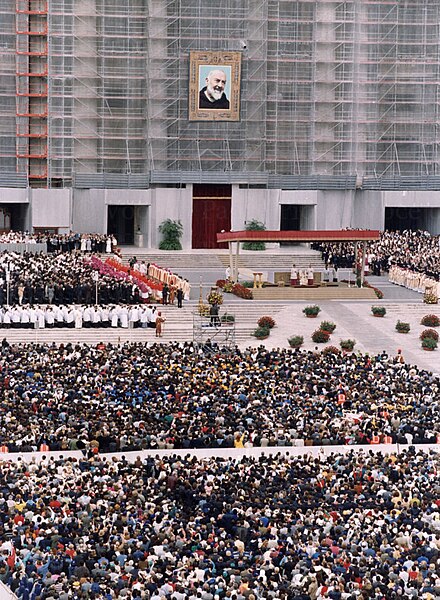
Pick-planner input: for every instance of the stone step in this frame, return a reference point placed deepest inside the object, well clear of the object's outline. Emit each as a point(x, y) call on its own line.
point(176, 260)
point(313, 294)
point(275, 262)
point(178, 327)
point(266, 261)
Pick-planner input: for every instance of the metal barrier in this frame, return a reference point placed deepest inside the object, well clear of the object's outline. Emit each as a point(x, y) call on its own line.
point(22, 248)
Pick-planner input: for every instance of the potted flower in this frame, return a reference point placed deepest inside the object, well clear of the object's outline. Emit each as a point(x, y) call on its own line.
point(241, 291)
point(227, 319)
point(320, 337)
point(261, 333)
point(214, 297)
point(429, 333)
point(430, 321)
point(378, 311)
point(430, 298)
point(327, 326)
point(331, 350)
point(311, 311)
point(402, 327)
point(266, 322)
point(296, 341)
point(429, 344)
point(347, 345)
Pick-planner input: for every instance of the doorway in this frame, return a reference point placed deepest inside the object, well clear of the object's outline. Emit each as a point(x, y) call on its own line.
point(120, 223)
point(211, 214)
point(399, 218)
point(14, 216)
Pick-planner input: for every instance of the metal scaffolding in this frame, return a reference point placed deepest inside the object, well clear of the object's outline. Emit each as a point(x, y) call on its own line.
point(212, 338)
point(328, 88)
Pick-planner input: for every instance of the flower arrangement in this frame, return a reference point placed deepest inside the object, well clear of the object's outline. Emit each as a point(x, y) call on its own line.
point(261, 332)
point(214, 298)
point(331, 350)
point(379, 311)
point(430, 321)
point(327, 326)
point(347, 344)
point(429, 333)
point(430, 298)
point(320, 337)
point(311, 310)
point(402, 327)
point(296, 341)
point(429, 344)
point(203, 309)
point(242, 292)
point(377, 291)
point(266, 322)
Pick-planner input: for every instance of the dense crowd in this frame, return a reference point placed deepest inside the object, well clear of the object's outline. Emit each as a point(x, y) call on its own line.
point(78, 316)
point(63, 242)
point(418, 251)
point(62, 278)
point(138, 396)
point(346, 527)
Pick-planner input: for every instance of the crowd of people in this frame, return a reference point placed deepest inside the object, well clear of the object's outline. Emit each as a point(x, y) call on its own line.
point(61, 278)
point(354, 526)
point(78, 316)
point(147, 396)
point(63, 242)
point(417, 251)
point(347, 527)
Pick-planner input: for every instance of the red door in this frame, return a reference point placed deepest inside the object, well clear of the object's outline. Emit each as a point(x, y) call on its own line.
point(211, 214)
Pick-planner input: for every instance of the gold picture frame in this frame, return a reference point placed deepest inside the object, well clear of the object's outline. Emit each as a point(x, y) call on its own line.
point(214, 86)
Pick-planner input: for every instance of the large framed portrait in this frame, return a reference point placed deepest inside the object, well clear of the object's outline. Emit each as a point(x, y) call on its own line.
point(214, 86)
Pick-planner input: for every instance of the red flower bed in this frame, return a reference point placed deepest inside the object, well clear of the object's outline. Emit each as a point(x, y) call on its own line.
point(241, 291)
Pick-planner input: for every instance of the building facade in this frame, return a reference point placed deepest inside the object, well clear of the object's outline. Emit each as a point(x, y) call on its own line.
point(338, 115)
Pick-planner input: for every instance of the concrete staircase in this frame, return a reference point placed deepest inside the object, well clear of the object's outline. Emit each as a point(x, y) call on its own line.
point(178, 327)
point(321, 294)
point(269, 260)
point(264, 261)
point(175, 260)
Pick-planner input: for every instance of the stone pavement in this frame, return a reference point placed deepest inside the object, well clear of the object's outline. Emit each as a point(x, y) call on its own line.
point(354, 320)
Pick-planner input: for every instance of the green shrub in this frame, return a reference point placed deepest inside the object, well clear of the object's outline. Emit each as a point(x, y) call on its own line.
point(429, 343)
point(327, 326)
point(320, 337)
point(254, 225)
point(312, 310)
point(171, 233)
point(261, 332)
point(402, 327)
point(347, 344)
point(295, 341)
